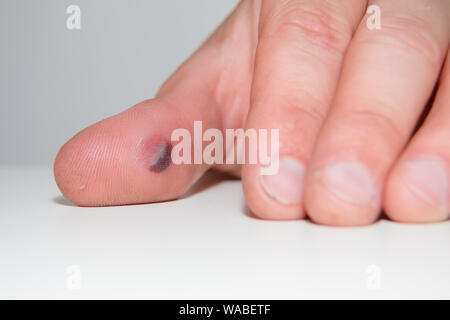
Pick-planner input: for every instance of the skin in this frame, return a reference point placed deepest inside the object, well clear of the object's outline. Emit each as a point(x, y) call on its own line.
point(346, 99)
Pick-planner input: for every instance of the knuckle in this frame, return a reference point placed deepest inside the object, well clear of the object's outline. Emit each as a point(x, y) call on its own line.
point(319, 25)
point(309, 105)
point(412, 34)
point(377, 121)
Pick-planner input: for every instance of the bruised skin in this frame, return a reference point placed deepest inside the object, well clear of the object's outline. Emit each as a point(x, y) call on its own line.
point(157, 153)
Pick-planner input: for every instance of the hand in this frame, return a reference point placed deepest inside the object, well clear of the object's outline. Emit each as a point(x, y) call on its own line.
point(347, 100)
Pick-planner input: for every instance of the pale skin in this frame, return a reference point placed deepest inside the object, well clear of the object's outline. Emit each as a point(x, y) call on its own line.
point(346, 99)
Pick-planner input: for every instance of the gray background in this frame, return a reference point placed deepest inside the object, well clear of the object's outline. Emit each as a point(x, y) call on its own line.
point(56, 81)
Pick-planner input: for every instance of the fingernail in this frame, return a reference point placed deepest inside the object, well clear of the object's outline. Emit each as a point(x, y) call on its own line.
point(286, 186)
point(350, 181)
point(428, 179)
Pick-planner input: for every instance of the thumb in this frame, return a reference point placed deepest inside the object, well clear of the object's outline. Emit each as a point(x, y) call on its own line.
point(125, 159)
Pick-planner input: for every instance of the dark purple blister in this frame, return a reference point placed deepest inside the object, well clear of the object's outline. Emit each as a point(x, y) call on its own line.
point(163, 159)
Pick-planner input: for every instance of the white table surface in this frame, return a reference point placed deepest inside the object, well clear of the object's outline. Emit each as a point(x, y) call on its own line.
point(205, 245)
